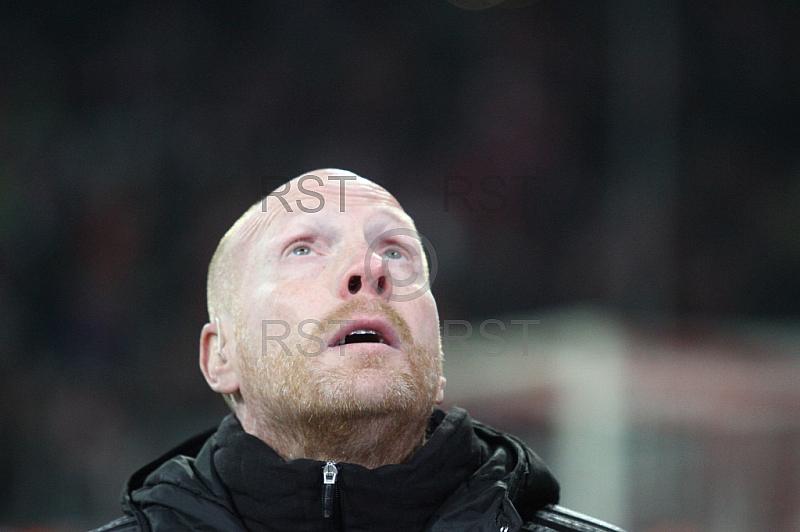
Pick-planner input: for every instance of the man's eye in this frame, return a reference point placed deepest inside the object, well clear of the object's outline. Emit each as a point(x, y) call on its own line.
point(301, 250)
point(393, 254)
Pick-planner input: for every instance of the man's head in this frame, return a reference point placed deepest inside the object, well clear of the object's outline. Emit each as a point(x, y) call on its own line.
point(319, 308)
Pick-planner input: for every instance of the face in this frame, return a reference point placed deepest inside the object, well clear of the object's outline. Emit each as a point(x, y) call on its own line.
point(327, 324)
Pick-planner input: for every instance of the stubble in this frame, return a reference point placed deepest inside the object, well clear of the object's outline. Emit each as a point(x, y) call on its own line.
point(310, 410)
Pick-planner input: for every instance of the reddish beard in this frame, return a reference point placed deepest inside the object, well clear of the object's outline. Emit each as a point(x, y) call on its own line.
point(290, 392)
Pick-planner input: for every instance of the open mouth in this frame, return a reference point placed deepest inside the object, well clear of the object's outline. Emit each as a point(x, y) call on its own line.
point(363, 336)
point(365, 331)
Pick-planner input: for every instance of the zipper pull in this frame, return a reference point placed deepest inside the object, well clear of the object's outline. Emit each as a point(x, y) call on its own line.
point(329, 473)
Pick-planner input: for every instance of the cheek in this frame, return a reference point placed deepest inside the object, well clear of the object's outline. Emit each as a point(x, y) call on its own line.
point(402, 273)
point(286, 307)
point(266, 314)
point(426, 319)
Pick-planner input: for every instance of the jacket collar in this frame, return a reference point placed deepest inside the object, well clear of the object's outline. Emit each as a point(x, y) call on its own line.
point(466, 470)
point(266, 489)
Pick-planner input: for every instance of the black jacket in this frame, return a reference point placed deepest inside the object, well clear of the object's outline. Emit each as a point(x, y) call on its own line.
point(467, 477)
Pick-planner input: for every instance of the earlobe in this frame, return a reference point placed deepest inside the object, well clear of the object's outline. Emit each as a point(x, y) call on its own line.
point(216, 362)
point(440, 394)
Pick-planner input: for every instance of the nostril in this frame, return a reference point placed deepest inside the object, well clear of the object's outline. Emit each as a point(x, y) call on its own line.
point(354, 285)
point(381, 284)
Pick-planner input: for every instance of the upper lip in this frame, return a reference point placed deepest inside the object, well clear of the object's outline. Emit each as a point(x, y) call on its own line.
point(377, 325)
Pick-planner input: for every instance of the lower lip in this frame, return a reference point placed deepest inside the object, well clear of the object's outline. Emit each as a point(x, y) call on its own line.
point(361, 347)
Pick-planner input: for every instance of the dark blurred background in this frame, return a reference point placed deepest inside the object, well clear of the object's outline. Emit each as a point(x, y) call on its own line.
point(638, 157)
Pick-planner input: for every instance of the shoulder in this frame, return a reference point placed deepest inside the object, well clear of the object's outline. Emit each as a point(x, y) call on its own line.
point(557, 518)
point(123, 524)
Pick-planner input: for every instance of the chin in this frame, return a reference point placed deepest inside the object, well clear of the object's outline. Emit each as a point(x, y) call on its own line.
point(372, 391)
point(375, 387)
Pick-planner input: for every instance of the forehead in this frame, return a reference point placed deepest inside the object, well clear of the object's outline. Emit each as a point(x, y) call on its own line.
point(319, 197)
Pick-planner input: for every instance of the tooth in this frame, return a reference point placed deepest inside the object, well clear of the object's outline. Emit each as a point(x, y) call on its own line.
point(362, 331)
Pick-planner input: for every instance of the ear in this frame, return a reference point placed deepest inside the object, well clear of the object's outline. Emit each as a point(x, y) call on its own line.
point(440, 394)
point(217, 359)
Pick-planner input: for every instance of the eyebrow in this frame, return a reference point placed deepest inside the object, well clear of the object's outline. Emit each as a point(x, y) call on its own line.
point(296, 226)
point(303, 228)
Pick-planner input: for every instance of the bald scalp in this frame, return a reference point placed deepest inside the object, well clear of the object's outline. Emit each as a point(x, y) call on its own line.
point(225, 269)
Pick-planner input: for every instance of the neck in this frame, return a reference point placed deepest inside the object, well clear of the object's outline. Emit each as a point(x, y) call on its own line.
point(368, 440)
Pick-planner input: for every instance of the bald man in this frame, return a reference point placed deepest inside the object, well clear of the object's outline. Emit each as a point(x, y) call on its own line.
point(323, 338)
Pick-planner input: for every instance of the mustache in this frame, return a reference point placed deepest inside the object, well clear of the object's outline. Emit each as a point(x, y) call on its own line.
point(365, 307)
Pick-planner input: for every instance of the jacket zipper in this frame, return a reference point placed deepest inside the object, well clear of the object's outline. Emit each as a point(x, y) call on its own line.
point(330, 498)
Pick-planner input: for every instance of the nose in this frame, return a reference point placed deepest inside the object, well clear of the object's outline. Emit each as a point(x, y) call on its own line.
point(365, 276)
